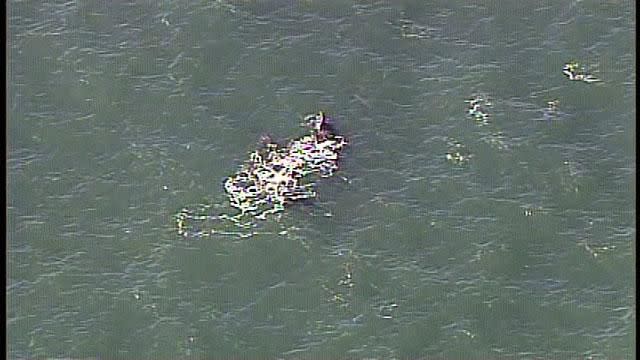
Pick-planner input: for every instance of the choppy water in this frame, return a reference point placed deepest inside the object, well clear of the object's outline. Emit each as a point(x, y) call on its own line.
point(122, 113)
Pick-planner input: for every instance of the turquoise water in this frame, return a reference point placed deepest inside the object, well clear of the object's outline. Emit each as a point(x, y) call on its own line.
point(122, 114)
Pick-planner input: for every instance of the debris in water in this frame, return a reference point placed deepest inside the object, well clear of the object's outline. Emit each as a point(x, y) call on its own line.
point(576, 72)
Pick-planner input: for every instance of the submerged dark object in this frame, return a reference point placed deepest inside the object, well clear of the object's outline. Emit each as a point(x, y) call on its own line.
point(276, 175)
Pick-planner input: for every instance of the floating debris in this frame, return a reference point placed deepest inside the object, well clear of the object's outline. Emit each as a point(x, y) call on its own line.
point(275, 176)
point(457, 153)
point(347, 277)
point(272, 178)
point(457, 158)
point(551, 111)
point(386, 310)
point(535, 210)
point(477, 109)
point(596, 250)
point(411, 30)
point(496, 139)
point(342, 296)
point(576, 72)
point(571, 176)
point(468, 333)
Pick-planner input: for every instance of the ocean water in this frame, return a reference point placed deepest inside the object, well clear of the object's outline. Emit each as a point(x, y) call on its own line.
point(443, 235)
